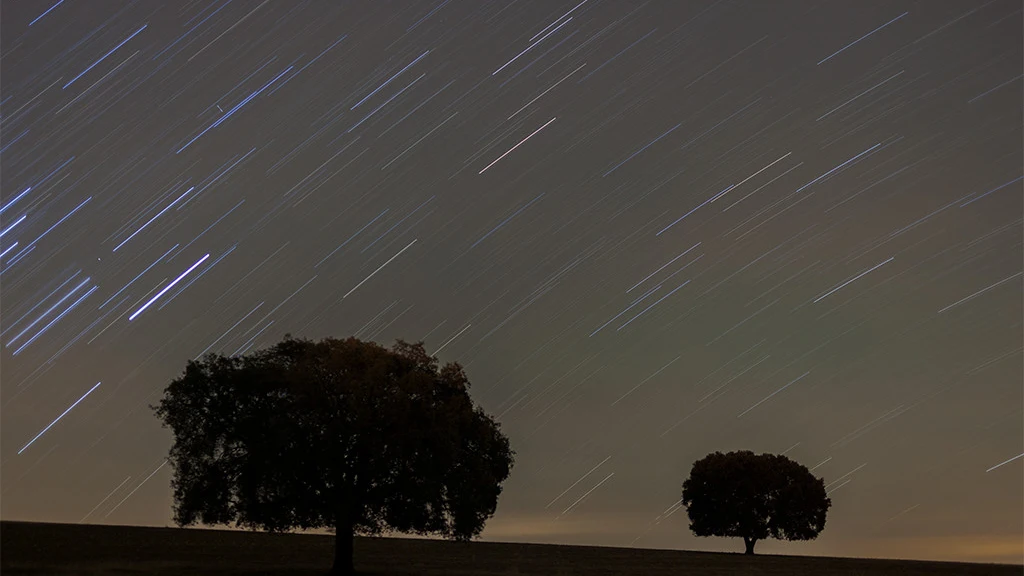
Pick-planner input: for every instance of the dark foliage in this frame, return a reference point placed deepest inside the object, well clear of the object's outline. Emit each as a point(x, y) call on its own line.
point(342, 434)
point(754, 497)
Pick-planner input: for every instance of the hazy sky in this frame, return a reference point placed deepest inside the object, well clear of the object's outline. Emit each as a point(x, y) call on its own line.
point(649, 230)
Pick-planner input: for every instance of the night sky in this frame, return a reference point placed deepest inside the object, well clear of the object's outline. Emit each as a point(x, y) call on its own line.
point(648, 230)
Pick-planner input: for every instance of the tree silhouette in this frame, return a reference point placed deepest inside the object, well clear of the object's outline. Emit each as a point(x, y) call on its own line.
point(341, 434)
point(750, 496)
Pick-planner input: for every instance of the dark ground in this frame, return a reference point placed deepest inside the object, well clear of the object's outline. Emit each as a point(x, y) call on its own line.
point(58, 549)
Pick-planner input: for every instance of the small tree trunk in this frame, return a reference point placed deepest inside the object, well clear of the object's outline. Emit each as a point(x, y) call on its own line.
point(343, 539)
point(749, 543)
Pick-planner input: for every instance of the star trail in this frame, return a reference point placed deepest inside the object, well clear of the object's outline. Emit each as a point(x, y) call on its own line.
point(648, 230)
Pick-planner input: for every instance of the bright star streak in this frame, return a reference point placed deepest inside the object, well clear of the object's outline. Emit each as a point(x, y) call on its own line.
point(50, 9)
point(663, 267)
point(656, 302)
point(875, 267)
point(649, 144)
point(166, 288)
point(8, 229)
point(517, 145)
point(1000, 187)
point(386, 102)
point(151, 474)
point(450, 340)
point(558, 20)
point(858, 96)
point(50, 309)
point(708, 201)
point(756, 173)
point(16, 198)
point(768, 397)
point(55, 320)
point(378, 269)
point(154, 218)
point(59, 417)
point(1005, 462)
point(228, 114)
point(530, 47)
point(862, 37)
point(573, 485)
point(979, 292)
point(628, 308)
point(40, 303)
point(125, 41)
point(587, 493)
point(389, 80)
point(97, 507)
point(59, 222)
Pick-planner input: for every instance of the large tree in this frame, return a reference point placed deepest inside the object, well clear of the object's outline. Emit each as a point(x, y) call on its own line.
point(341, 434)
point(754, 497)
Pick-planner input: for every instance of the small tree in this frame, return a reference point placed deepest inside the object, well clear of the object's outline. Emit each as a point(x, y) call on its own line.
point(749, 496)
point(340, 434)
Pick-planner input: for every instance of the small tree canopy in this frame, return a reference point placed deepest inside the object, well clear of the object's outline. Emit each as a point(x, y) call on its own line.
point(342, 434)
point(754, 497)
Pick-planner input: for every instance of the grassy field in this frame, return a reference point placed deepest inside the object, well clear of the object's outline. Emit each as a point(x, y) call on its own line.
point(57, 549)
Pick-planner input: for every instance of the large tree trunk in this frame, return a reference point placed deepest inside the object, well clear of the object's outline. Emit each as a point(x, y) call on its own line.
point(343, 539)
point(749, 542)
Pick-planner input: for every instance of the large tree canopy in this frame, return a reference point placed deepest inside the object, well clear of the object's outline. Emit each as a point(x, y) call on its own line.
point(751, 496)
point(341, 434)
